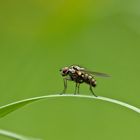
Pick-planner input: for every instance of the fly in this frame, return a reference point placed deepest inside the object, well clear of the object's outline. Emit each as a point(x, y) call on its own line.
point(80, 75)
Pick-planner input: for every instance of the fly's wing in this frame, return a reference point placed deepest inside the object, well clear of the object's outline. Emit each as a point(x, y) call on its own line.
point(100, 74)
point(96, 73)
point(79, 68)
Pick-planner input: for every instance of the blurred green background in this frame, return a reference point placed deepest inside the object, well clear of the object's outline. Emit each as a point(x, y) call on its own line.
point(38, 37)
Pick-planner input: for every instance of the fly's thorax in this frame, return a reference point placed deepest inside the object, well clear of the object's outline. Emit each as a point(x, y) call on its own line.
point(72, 74)
point(76, 75)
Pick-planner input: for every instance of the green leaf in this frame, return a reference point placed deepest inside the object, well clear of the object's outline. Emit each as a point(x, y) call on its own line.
point(15, 136)
point(6, 109)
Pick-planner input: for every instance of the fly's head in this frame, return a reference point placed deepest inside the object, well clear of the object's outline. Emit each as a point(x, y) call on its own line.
point(68, 71)
point(64, 71)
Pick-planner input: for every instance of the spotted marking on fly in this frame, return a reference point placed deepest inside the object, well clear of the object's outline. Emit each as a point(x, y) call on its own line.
point(79, 73)
point(89, 77)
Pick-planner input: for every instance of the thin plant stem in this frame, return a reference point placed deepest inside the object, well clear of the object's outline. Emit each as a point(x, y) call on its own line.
point(15, 136)
point(6, 109)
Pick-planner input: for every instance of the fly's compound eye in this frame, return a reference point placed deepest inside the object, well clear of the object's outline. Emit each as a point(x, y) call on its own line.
point(64, 71)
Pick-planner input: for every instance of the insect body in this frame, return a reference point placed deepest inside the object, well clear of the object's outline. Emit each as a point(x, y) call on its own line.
point(79, 75)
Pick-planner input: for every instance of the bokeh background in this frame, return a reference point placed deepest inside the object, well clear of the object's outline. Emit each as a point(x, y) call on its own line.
point(38, 37)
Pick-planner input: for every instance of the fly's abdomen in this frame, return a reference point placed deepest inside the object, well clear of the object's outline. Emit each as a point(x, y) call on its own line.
point(93, 82)
point(89, 79)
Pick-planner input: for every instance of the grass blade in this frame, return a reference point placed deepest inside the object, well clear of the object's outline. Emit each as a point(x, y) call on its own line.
point(15, 136)
point(6, 109)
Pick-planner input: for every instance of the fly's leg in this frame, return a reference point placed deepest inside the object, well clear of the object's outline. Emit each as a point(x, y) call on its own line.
point(65, 86)
point(77, 88)
point(92, 91)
